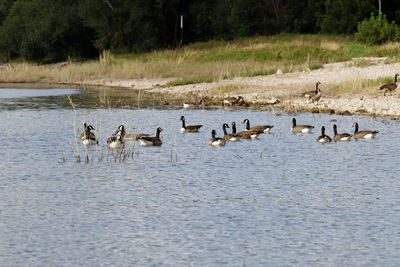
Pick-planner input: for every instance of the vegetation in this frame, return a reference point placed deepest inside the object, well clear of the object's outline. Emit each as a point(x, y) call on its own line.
point(377, 30)
point(207, 61)
point(48, 31)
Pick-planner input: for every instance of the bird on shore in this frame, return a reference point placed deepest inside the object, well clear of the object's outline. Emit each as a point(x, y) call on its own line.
point(233, 100)
point(216, 141)
point(88, 138)
point(323, 138)
point(259, 128)
point(300, 128)
point(365, 134)
point(192, 104)
point(313, 93)
point(231, 137)
point(390, 86)
point(340, 137)
point(189, 128)
point(151, 140)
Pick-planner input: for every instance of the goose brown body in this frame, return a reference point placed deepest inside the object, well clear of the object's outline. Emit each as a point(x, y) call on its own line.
point(216, 141)
point(389, 86)
point(259, 128)
point(340, 137)
point(365, 134)
point(323, 138)
point(231, 137)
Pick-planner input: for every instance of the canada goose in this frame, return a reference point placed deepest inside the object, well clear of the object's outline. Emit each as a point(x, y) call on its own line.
point(192, 104)
point(323, 138)
point(366, 134)
point(259, 129)
point(216, 141)
point(88, 137)
point(117, 140)
point(233, 100)
point(313, 92)
point(340, 137)
point(151, 140)
point(189, 128)
point(231, 137)
point(390, 86)
point(300, 128)
point(246, 134)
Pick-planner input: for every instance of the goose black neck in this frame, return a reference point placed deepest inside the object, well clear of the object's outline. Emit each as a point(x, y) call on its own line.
point(213, 134)
point(158, 133)
point(233, 128)
point(183, 123)
point(323, 131)
point(355, 127)
point(294, 122)
point(224, 129)
point(395, 78)
point(247, 125)
point(334, 129)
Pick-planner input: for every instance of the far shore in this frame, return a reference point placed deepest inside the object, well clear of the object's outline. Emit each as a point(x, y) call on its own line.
point(271, 92)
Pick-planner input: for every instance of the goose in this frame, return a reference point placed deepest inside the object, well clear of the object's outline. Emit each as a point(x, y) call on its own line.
point(233, 100)
point(189, 128)
point(88, 137)
point(231, 137)
point(216, 141)
point(323, 138)
point(340, 137)
point(300, 128)
point(312, 93)
point(151, 140)
point(117, 140)
point(390, 86)
point(247, 134)
point(366, 134)
point(259, 129)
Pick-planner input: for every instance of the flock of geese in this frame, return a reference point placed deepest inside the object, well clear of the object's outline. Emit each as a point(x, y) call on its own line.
point(119, 137)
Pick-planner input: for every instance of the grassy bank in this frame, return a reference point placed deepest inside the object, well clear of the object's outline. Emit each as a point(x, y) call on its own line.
point(206, 61)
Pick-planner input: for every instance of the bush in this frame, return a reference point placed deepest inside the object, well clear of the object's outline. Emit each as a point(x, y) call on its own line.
point(377, 30)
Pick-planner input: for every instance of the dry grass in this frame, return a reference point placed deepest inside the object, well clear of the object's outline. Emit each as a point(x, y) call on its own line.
point(358, 85)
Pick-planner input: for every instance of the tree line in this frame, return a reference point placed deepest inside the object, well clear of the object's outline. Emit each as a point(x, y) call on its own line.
point(54, 30)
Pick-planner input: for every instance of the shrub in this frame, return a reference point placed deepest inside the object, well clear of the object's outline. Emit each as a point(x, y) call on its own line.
point(377, 30)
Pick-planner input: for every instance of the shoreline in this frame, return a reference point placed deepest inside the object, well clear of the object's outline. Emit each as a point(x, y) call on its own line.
point(271, 92)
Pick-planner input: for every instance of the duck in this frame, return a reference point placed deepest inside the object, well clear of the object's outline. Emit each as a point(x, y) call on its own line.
point(323, 138)
point(231, 137)
point(259, 129)
point(216, 141)
point(313, 92)
point(300, 128)
point(233, 100)
point(117, 140)
point(340, 137)
point(88, 137)
point(390, 86)
point(366, 134)
point(152, 140)
point(189, 128)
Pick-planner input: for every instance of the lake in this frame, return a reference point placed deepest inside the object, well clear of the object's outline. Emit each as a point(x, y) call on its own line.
point(280, 200)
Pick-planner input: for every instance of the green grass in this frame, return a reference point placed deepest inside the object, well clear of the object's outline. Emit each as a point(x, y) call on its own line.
point(209, 61)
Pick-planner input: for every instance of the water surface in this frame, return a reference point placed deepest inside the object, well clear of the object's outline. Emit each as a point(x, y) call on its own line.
point(283, 199)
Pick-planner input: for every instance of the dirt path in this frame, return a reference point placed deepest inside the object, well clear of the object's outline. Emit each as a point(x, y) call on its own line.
point(283, 90)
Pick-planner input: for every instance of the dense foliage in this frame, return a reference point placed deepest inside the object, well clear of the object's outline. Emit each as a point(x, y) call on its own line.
point(52, 30)
point(377, 30)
